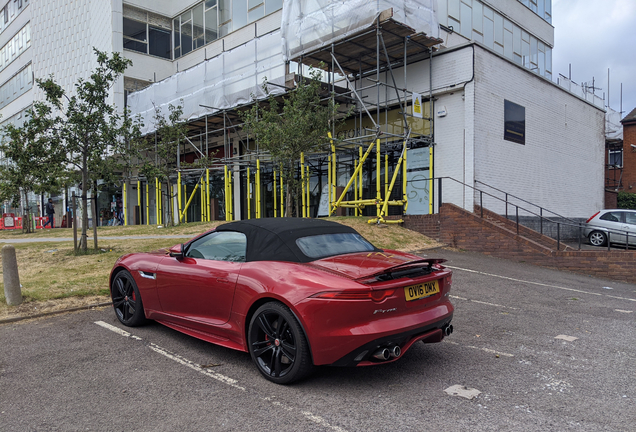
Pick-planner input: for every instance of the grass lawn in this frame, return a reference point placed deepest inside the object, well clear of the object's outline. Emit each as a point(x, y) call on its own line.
point(53, 278)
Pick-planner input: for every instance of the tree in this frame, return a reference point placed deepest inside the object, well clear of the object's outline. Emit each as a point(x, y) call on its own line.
point(34, 160)
point(299, 125)
point(91, 133)
point(163, 144)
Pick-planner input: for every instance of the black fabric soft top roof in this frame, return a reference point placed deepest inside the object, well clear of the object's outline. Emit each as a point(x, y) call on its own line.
point(274, 239)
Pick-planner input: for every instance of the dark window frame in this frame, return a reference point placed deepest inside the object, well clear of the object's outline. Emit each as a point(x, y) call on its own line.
point(514, 122)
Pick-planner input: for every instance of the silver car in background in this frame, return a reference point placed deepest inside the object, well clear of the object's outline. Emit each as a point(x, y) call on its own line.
point(617, 224)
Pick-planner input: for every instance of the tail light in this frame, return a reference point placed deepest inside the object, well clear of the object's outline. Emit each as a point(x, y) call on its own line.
point(593, 216)
point(375, 295)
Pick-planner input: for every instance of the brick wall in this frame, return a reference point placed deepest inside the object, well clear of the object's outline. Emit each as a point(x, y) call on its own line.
point(629, 157)
point(465, 230)
point(429, 225)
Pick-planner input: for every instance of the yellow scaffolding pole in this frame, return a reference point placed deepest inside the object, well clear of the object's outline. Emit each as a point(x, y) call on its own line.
point(395, 175)
point(185, 210)
point(430, 184)
point(274, 194)
point(231, 200)
point(258, 189)
point(179, 193)
point(147, 204)
point(386, 176)
point(378, 194)
point(344, 192)
point(331, 198)
point(226, 194)
point(282, 201)
point(207, 195)
point(355, 185)
point(185, 195)
point(307, 176)
point(404, 195)
point(125, 202)
point(302, 181)
point(202, 181)
point(249, 195)
point(139, 199)
point(160, 192)
point(360, 175)
point(157, 200)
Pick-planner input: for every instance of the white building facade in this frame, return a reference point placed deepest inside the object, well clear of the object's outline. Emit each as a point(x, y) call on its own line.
point(500, 122)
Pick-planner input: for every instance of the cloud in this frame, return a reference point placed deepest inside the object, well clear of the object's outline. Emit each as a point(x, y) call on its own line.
point(593, 36)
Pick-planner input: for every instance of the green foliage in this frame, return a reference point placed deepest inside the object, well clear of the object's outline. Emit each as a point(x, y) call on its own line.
point(626, 200)
point(84, 132)
point(299, 125)
point(36, 161)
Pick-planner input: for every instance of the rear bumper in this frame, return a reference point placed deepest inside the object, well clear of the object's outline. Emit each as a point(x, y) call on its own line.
point(338, 332)
point(363, 355)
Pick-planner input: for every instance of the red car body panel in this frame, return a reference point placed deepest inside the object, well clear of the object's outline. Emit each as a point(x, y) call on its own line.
point(212, 300)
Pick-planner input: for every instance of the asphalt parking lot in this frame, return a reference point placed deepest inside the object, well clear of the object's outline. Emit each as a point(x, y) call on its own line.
point(539, 349)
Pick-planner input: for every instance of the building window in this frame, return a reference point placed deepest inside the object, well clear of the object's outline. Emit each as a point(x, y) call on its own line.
point(146, 38)
point(616, 158)
point(514, 122)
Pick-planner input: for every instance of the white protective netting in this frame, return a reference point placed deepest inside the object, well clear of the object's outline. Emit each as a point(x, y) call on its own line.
point(230, 79)
point(223, 82)
point(310, 24)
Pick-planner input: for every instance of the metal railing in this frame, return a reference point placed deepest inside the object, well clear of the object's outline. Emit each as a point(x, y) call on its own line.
point(579, 226)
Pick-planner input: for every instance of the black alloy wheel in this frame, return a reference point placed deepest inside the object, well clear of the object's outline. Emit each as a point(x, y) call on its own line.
point(126, 300)
point(278, 345)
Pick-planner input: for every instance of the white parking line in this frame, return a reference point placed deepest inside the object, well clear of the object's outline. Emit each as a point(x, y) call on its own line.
point(621, 298)
point(488, 350)
point(541, 284)
point(524, 281)
point(484, 303)
point(217, 376)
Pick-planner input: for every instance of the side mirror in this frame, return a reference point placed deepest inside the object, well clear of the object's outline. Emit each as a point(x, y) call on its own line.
point(177, 252)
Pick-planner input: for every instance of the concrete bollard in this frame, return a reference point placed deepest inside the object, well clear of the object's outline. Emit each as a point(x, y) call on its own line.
point(12, 291)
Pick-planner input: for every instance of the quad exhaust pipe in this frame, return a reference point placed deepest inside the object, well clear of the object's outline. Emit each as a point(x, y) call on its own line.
point(384, 354)
point(448, 330)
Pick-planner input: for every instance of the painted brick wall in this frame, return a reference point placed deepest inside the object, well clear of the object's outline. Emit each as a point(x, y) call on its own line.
point(561, 165)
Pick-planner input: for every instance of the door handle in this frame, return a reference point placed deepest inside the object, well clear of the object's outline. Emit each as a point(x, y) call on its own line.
point(222, 280)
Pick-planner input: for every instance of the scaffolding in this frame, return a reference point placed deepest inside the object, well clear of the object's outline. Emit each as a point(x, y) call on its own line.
point(360, 63)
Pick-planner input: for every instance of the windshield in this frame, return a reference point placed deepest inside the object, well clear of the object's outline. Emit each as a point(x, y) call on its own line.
point(320, 246)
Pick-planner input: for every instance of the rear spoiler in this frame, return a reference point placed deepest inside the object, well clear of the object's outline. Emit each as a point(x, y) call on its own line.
point(429, 261)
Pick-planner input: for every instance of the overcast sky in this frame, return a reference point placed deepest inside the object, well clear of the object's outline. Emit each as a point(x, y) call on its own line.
point(594, 35)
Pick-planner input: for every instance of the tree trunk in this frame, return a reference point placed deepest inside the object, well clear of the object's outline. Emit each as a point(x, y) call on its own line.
point(84, 236)
point(26, 217)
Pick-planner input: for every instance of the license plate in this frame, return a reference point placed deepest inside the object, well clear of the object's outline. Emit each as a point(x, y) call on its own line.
point(419, 291)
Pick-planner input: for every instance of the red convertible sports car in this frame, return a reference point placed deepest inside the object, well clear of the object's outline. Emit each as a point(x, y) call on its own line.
point(294, 293)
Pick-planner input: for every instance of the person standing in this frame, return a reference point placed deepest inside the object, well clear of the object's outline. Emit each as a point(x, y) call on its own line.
point(50, 211)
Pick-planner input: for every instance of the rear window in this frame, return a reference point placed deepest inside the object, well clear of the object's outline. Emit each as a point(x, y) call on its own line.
point(324, 245)
point(611, 216)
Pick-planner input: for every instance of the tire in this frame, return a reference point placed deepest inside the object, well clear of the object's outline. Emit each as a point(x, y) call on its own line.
point(127, 300)
point(597, 238)
point(278, 345)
